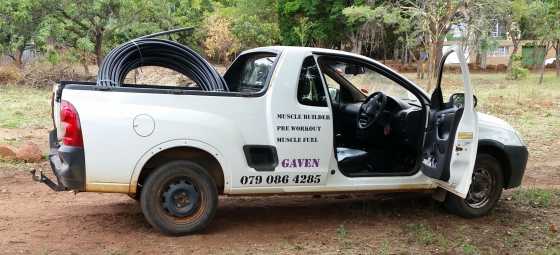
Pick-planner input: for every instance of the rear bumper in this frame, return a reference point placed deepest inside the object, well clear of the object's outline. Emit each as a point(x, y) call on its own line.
point(68, 165)
point(517, 157)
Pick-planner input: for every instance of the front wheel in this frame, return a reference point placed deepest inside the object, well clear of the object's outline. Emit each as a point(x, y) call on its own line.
point(484, 192)
point(179, 198)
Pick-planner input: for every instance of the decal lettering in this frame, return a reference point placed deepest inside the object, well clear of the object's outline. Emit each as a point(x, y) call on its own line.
point(297, 139)
point(297, 116)
point(300, 133)
point(300, 163)
point(247, 180)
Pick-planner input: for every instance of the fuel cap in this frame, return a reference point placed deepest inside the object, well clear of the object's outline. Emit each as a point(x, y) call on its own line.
point(143, 125)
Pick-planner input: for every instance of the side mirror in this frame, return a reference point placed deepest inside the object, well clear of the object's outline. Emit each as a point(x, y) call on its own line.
point(458, 99)
point(354, 69)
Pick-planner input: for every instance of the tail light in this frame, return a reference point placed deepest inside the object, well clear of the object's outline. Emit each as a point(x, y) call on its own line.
point(71, 130)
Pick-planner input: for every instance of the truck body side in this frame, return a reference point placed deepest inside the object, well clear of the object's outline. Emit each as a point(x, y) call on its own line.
point(123, 128)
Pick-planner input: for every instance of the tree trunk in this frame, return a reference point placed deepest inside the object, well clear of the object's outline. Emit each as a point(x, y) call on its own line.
point(18, 58)
point(483, 59)
point(477, 58)
point(438, 47)
point(433, 60)
point(542, 66)
point(99, 48)
point(86, 67)
point(557, 62)
point(405, 56)
point(541, 78)
point(418, 64)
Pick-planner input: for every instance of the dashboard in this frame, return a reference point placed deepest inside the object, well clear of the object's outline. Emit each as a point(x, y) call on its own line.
point(404, 119)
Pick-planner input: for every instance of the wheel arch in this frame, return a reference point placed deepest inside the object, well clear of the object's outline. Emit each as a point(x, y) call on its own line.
point(204, 154)
point(496, 149)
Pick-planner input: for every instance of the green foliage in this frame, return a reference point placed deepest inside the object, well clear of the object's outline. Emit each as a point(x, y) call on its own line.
point(518, 72)
point(253, 23)
point(368, 24)
point(323, 20)
point(86, 30)
point(21, 24)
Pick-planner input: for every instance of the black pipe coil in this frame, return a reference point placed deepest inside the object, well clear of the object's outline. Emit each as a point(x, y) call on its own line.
point(158, 52)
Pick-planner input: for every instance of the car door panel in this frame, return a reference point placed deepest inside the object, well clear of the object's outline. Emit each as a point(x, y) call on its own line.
point(450, 143)
point(439, 142)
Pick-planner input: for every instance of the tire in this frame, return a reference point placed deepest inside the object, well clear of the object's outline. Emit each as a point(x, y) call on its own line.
point(179, 198)
point(477, 205)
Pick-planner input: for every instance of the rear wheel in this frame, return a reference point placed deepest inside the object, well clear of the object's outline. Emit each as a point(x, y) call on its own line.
point(179, 198)
point(484, 192)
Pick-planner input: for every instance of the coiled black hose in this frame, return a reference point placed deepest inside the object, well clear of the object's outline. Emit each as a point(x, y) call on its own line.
point(158, 52)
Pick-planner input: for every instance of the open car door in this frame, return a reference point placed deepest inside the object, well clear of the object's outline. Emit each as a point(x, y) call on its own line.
point(451, 141)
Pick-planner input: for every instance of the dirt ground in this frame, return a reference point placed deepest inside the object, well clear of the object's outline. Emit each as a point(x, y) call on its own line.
point(36, 220)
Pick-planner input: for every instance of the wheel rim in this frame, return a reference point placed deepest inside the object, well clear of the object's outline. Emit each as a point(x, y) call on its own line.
point(481, 188)
point(181, 198)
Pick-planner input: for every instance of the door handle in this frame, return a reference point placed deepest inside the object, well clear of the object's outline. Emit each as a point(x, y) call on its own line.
point(459, 148)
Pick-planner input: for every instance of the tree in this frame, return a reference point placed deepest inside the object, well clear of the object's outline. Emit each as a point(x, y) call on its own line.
point(366, 23)
point(253, 23)
point(323, 21)
point(435, 18)
point(480, 17)
point(546, 22)
point(514, 15)
point(21, 24)
point(97, 25)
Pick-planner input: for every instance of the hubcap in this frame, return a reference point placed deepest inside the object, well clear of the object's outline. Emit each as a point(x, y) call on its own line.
point(481, 188)
point(180, 199)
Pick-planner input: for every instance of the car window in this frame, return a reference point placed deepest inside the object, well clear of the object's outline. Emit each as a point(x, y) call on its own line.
point(250, 73)
point(369, 81)
point(310, 89)
point(332, 86)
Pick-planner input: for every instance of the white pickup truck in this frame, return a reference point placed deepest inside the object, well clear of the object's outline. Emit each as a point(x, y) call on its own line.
point(295, 120)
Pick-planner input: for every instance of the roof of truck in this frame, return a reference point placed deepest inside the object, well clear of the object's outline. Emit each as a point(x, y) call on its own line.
point(309, 50)
point(304, 49)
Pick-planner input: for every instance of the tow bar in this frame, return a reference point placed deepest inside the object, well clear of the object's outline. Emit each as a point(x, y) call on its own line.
point(41, 178)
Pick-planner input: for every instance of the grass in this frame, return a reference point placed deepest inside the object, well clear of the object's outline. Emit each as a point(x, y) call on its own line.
point(24, 107)
point(469, 249)
point(532, 109)
point(421, 233)
point(341, 232)
point(535, 197)
point(425, 235)
point(383, 249)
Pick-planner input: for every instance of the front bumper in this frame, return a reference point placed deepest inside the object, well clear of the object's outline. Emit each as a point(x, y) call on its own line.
point(68, 165)
point(517, 157)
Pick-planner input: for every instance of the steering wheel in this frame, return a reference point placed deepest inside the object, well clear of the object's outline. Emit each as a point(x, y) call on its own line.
point(371, 109)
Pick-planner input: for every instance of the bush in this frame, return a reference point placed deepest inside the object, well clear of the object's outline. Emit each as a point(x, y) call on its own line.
point(9, 74)
point(220, 44)
point(518, 72)
point(43, 74)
